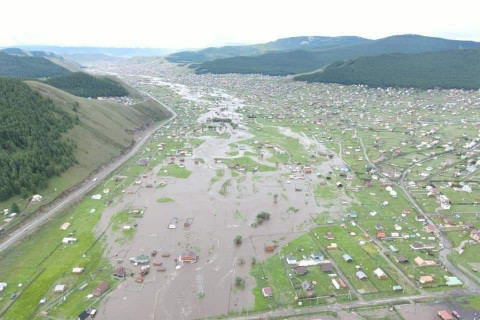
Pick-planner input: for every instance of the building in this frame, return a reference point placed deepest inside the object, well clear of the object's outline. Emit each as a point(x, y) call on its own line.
point(77, 270)
point(426, 279)
point(69, 240)
point(475, 235)
point(347, 258)
point(329, 236)
point(307, 286)
point(101, 289)
point(361, 275)
point(301, 270)
point(326, 267)
point(381, 235)
point(453, 281)
point(380, 274)
point(444, 315)
point(60, 288)
point(120, 272)
point(401, 259)
point(267, 292)
point(317, 256)
point(420, 246)
point(291, 260)
point(65, 226)
point(141, 259)
point(188, 256)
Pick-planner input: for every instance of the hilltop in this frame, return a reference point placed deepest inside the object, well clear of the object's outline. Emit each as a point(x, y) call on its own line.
point(446, 69)
point(293, 43)
point(28, 67)
point(287, 62)
point(84, 85)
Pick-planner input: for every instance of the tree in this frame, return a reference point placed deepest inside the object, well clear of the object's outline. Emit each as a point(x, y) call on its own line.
point(239, 282)
point(237, 240)
point(275, 198)
point(15, 208)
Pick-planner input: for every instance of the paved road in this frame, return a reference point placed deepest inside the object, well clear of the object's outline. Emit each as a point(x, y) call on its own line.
point(87, 185)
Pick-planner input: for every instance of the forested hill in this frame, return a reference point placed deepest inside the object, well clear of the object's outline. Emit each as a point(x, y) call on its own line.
point(28, 67)
point(288, 62)
point(445, 69)
point(31, 145)
point(293, 43)
point(84, 85)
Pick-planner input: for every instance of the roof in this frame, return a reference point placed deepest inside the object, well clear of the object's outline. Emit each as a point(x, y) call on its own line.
point(103, 286)
point(347, 257)
point(445, 315)
point(379, 272)
point(301, 270)
point(267, 291)
point(326, 267)
point(361, 275)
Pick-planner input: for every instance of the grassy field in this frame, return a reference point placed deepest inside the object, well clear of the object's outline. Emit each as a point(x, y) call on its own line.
point(173, 170)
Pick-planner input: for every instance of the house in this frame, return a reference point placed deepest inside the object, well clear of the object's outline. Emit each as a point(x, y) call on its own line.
point(420, 246)
point(269, 247)
point(267, 292)
point(426, 279)
point(291, 260)
point(361, 275)
point(307, 170)
point(120, 272)
point(430, 228)
point(141, 259)
point(393, 249)
point(188, 256)
point(380, 274)
point(60, 288)
point(317, 256)
point(420, 218)
point(3, 285)
point(342, 283)
point(101, 289)
point(329, 236)
point(69, 240)
point(401, 259)
point(475, 235)
point(332, 246)
point(143, 162)
point(347, 258)
point(381, 235)
point(65, 226)
point(424, 263)
point(397, 288)
point(335, 284)
point(326, 267)
point(307, 286)
point(453, 281)
point(77, 270)
point(444, 315)
point(301, 270)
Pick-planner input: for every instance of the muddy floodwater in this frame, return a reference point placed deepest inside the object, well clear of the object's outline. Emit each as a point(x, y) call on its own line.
point(206, 288)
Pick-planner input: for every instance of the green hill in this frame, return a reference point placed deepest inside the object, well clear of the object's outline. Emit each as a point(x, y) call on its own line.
point(293, 43)
point(32, 147)
point(28, 67)
point(287, 62)
point(59, 139)
point(446, 69)
point(84, 85)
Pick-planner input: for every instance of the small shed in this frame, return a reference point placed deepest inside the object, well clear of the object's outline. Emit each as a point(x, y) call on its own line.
point(361, 275)
point(267, 292)
point(301, 270)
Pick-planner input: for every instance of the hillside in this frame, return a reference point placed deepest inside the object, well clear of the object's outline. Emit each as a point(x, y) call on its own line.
point(84, 85)
point(32, 147)
point(28, 67)
point(286, 62)
point(100, 131)
point(445, 69)
point(294, 43)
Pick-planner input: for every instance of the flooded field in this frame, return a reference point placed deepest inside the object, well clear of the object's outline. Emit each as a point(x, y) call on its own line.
point(214, 213)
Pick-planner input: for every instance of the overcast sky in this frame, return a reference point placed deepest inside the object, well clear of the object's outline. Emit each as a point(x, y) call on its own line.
point(201, 23)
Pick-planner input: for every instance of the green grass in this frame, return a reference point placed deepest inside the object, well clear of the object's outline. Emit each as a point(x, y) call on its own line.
point(165, 200)
point(175, 171)
point(248, 163)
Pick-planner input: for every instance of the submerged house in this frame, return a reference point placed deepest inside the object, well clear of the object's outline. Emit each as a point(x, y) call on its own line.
point(188, 256)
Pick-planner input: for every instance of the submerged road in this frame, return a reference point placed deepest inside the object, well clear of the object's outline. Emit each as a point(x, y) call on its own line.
point(87, 185)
